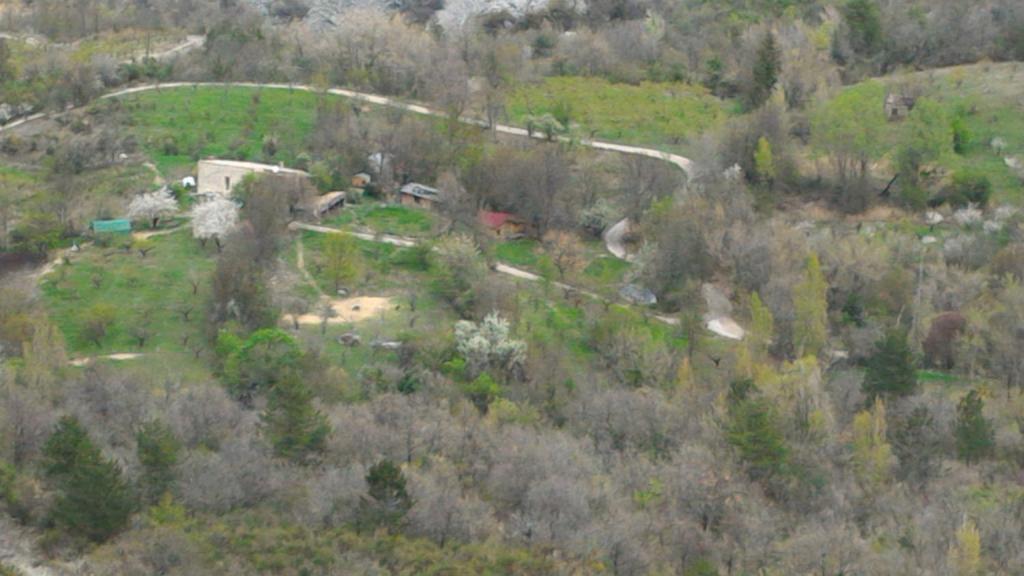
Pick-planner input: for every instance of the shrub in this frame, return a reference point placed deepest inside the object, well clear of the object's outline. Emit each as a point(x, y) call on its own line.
point(961, 134)
point(970, 187)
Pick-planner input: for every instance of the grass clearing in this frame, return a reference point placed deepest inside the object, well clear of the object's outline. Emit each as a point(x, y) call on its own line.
point(386, 219)
point(989, 97)
point(179, 125)
point(607, 270)
point(140, 291)
point(522, 252)
point(660, 114)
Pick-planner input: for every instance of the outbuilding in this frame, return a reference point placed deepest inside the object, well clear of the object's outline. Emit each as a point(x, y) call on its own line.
point(502, 224)
point(413, 194)
point(361, 180)
point(117, 226)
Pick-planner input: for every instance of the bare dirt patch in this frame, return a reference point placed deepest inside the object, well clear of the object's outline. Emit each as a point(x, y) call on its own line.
point(349, 310)
point(117, 356)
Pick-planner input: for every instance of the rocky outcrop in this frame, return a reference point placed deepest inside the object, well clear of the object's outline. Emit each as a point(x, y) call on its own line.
point(324, 14)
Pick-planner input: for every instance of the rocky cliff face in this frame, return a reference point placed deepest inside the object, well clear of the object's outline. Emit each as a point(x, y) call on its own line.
point(450, 14)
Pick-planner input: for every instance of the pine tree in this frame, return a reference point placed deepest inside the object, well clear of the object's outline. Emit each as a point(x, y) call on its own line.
point(767, 66)
point(754, 430)
point(158, 451)
point(864, 26)
point(810, 302)
point(890, 370)
point(975, 438)
point(94, 501)
point(295, 427)
point(387, 499)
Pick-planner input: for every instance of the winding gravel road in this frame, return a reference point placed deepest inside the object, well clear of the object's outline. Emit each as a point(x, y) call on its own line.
point(615, 246)
point(613, 238)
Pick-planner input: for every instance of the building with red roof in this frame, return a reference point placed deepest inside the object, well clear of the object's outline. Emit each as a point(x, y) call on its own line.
point(502, 224)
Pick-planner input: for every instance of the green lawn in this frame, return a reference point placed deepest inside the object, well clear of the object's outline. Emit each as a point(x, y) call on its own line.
point(15, 176)
point(387, 267)
point(176, 126)
point(937, 376)
point(146, 291)
point(386, 219)
point(606, 270)
point(522, 252)
point(661, 114)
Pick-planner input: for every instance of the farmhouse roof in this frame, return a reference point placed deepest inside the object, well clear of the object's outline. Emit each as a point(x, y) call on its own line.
point(420, 191)
point(254, 166)
point(493, 219)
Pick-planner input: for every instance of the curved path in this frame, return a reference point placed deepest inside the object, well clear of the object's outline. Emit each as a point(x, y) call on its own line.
point(498, 267)
point(681, 162)
point(615, 246)
point(614, 240)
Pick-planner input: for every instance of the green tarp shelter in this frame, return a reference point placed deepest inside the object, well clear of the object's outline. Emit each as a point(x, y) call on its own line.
point(111, 226)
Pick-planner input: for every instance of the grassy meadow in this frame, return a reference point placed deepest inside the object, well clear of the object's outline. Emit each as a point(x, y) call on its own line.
point(660, 114)
point(179, 125)
point(138, 291)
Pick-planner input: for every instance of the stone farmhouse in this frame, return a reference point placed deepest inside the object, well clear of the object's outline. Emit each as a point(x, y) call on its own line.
point(220, 177)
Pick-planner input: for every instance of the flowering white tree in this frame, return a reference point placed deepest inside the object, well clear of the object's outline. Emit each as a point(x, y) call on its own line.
point(969, 215)
point(214, 219)
point(152, 206)
point(489, 344)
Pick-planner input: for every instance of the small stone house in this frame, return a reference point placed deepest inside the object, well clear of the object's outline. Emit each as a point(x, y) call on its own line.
point(220, 177)
point(361, 180)
point(503, 225)
point(414, 194)
point(898, 106)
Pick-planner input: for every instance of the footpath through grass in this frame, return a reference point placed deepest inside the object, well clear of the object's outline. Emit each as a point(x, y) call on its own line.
point(659, 114)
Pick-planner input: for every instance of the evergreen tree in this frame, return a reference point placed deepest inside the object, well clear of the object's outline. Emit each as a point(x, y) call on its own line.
point(863, 22)
point(810, 302)
point(890, 370)
point(754, 430)
point(295, 427)
point(767, 66)
point(158, 451)
point(387, 500)
point(917, 442)
point(975, 438)
point(94, 500)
